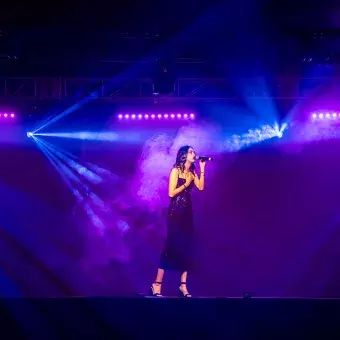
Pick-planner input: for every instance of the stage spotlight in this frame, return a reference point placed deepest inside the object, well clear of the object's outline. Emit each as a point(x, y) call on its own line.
point(325, 116)
point(7, 115)
point(29, 134)
point(140, 116)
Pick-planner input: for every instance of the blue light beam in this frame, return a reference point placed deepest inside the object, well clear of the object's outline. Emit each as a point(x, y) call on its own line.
point(80, 169)
point(64, 113)
point(238, 142)
point(109, 136)
point(68, 177)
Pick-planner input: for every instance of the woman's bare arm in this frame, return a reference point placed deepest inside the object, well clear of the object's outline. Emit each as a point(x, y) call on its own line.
point(173, 191)
point(199, 181)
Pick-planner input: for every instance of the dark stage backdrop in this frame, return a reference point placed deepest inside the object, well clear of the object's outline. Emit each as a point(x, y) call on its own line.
point(267, 223)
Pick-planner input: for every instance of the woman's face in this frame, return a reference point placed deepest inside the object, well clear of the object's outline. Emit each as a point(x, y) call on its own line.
point(191, 155)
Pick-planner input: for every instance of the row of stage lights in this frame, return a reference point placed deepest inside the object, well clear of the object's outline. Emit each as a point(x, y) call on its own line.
point(325, 115)
point(7, 115)
point(134, 116)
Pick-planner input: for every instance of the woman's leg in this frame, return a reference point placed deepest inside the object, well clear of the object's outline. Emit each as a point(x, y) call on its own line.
point(157, 285)
point(183, 287)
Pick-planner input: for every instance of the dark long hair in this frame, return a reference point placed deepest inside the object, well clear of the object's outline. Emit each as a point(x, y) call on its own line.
point(182, 158)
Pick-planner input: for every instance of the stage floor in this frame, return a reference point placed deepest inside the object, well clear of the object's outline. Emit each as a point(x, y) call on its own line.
point(170, 318)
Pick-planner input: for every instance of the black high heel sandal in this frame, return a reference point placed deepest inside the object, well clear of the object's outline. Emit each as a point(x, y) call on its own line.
point(181, 294)
point(152, 292)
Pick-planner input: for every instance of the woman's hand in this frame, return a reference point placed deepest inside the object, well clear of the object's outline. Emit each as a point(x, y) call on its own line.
point(189, 178)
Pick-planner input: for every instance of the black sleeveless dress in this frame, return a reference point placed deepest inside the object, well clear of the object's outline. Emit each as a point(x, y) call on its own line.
point(178, 250)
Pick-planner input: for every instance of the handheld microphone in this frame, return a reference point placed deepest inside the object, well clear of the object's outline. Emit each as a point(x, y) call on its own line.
point(203, 158)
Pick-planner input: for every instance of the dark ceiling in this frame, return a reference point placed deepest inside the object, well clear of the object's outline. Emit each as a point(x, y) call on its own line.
point(216, 28)
point(168, 15)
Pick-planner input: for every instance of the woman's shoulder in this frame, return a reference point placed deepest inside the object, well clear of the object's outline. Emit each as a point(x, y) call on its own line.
point(175, 170)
